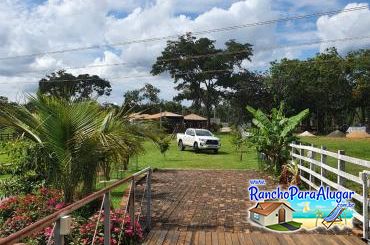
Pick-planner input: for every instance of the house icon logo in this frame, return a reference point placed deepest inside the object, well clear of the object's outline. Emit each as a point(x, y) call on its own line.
point(275, 215)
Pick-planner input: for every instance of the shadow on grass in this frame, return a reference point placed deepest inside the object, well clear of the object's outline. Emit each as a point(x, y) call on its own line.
point(208, 152)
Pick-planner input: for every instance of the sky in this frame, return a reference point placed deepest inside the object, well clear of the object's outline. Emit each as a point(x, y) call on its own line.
point(40, 26)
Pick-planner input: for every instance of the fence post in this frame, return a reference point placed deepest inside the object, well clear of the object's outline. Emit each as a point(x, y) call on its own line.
point(59, 239)
point(341, 167)
point(323, 161)
point(132, 203)
point(107, 234)
point(365, 205)
point(301, 153)
point(149, 200)
point(312, 156)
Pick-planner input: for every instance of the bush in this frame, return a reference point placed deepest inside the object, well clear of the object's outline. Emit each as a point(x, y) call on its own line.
point(127, 233)
point(21, 211)
point(6, 168)
point(21, 184)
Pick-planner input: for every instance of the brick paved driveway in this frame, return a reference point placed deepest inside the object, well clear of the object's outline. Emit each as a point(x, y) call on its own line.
point(210, 200)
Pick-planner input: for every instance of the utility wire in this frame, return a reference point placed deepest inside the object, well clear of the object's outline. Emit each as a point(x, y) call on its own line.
point(151, 76)
point(262, 49)
point(222, 29)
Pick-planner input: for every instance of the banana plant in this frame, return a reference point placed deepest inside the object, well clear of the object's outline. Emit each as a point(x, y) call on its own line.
point(273, 133)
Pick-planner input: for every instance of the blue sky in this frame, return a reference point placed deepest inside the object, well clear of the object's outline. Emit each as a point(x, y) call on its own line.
point(33, 26)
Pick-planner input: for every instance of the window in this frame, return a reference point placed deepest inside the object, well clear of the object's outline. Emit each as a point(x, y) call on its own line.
point(202, 132)
point(256, 216)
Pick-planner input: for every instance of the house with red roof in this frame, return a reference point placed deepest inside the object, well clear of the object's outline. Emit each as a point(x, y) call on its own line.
point(271, 212)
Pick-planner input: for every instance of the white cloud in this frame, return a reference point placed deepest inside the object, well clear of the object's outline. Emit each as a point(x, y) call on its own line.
point(344, 25)
point(63, 24)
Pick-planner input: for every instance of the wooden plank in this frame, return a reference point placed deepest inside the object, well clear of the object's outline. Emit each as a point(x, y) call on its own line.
point(344, 240)
point(353, 160)
point(329, 168)
point(308, 182)
point(214, 238)
point(354, 240)
point(168, 237)
point(149, 237)
point(241, 238)
point(325, 239)
point(285, 239)
point(154, 238)
point(271, 239)
point(305, 239)
point(181, 237)
point(208, 236)
point(331, 183)
point(221, 238)
point(162, 237)
point(175, 237)
point(228, 240)
point(196, 237)
point(257, 238)
point(188, 237)
point(247, 238)
point(235, 239)
point(202, 238)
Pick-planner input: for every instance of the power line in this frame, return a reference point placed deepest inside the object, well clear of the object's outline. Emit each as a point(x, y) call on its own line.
point(263, 49)
point(222, 29)
point(151, 76)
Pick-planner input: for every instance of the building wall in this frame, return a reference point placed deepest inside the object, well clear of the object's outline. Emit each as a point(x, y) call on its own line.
point(261, 219)
point(273, 218)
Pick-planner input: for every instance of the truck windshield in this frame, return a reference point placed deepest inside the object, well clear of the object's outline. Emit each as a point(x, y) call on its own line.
point(201, 132)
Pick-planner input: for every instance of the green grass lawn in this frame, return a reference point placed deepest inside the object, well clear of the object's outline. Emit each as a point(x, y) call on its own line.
point(278, 227)
point(227, 158)
point(359, 148)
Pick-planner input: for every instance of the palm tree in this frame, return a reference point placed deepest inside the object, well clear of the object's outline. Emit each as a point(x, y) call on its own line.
point(74, 138)
point(319, 214)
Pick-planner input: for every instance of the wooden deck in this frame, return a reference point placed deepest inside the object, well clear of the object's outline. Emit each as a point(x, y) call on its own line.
point(175, 237)
point(212, 208)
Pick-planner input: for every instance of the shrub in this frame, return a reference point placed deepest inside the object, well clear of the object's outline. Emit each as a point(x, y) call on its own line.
point(163, 143)
point(127, 233)
point(21, 184)
point(21, 211)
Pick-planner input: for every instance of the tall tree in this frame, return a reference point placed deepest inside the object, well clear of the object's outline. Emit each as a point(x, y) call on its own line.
point(248, 89)
point(65, 85)
point(201, 78)
point(147, 95)
point(320, 83)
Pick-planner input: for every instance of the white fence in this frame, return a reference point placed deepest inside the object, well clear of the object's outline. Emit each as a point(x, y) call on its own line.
point(315, 171)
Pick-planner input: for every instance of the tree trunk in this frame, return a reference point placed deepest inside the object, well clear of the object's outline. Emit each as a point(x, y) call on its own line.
point(125, 163)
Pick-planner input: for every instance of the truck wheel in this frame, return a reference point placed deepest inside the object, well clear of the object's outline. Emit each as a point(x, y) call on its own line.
point(181, 145)
point(195, 147)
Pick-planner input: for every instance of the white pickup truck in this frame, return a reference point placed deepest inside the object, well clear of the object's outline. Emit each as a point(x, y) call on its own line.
point(198, 139)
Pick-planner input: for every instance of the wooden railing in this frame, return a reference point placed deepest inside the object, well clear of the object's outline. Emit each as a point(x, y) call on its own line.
point(314, 165)
point(58, 216)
